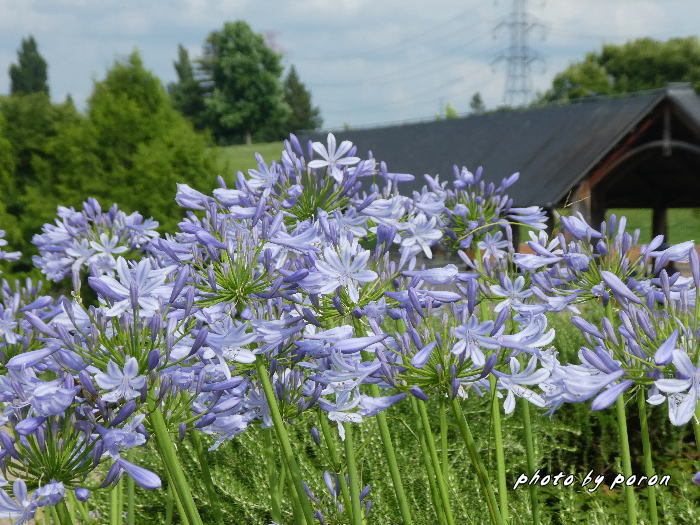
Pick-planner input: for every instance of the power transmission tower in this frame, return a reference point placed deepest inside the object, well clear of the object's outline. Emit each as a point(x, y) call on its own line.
point(518, 56)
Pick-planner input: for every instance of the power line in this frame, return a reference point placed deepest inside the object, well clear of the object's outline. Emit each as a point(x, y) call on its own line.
point(432, 94)
point(518, 56)
point(408, 71)
point(383, 49)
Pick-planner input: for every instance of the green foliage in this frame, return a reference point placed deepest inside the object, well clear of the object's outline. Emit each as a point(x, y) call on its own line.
point(476, 104)
point(131, 148)
point(29, 74)
point(244, 95)
point(302, 115)
point(449, 113)
point(145, 146)
point(32, 127)
point(574, 440)
point(187, 94)
point(635, 66)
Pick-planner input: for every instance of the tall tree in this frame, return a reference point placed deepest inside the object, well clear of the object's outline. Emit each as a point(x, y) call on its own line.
point(241, 77)
point(635, 66)
point(145, 146)
point(477, 104)
point(302, 114)
point(187, 94)
point(29, 74)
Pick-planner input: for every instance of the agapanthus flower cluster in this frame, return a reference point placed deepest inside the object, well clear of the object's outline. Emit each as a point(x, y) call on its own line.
point(90, 240)
point(306, 288)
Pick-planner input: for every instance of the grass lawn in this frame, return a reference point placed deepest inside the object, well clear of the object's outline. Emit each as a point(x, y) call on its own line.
point(683, 223)
point(242, 157)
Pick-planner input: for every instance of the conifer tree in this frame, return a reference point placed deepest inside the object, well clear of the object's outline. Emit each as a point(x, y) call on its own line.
point(187, 93)
point(29, 74)
point(302, 114)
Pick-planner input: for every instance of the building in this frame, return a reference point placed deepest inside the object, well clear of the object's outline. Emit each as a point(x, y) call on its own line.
point(636, 151)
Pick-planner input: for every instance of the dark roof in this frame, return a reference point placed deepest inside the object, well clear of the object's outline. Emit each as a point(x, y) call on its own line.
point(552, 147)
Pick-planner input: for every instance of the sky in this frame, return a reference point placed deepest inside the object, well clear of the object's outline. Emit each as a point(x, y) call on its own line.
point(365, 62)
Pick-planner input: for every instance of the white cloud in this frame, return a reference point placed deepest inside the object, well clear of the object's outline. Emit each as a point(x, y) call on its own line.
point(364, 60)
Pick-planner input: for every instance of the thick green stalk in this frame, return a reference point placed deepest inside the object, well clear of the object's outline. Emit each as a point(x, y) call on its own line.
point(297, 511)
point(500, 453)
point(174, 500)
point(172, 464)
point(130, 498)
point(84, 517)
point(626, 460)
point(444, 457)
point(390, 455)
point(481, 473)
point(272, 477)
point(335, 458)
point(115, 504)
point(169, 504)
point(530, 452)
point(206, 476)
point(696, 427)
point(441, 484)
point(63, 514)
point(429, 470)
point(283, 438)
point(648, 464)
point(353, 475)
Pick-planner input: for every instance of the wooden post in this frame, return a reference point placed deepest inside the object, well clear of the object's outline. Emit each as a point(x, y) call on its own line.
point(597, 209)
point(659, 222)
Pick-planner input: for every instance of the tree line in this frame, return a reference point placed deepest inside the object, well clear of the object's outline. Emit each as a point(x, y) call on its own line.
point(136, 139)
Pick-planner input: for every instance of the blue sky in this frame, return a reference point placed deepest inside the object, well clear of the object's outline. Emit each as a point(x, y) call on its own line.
point(365, 61)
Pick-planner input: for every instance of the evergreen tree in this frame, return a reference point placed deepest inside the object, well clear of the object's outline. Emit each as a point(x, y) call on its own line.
point(477, 104)
point(29, 74)
point(145, 146)
point(302, 114)
point(241, 77)
point(186, 93)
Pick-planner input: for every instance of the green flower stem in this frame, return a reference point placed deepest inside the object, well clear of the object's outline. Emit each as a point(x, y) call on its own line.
point(696, 427)
point(335, 458)
point(84, 516)
point(444, 457)
point(169, 504)
point(206, 476)
point(530, 452)
point(481, 473)
point(115, 504)
point(626, 460)
point(441, 484)
point(297, 511)
point(283, 438)
point(648, 465)
point(500, 454)
point(353, 475)
point(130, 497)
point(390, 455)
point(429, 470)
point(272, 477)
point(172, 465)
point(64, 517)
point(173, 500)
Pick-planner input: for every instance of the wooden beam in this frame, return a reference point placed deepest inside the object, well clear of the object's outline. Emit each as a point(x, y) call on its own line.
point(659, 222)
